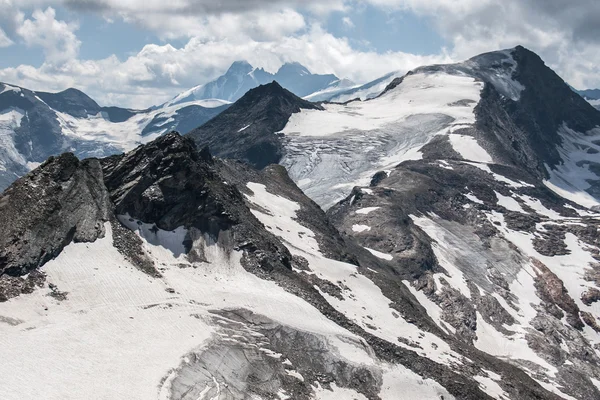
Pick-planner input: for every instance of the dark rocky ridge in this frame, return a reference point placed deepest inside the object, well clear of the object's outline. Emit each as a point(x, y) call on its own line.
point(546, 103)
point(247, 130)
point(521, 129)
point(62, 201)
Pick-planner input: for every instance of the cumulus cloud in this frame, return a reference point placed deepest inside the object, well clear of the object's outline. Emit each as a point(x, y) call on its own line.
point(56, 38)
point(270, 32)
point(565, 33)
point(158, 72)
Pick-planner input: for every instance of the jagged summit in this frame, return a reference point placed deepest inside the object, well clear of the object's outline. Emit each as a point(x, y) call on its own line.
point(239, 67)
point(241, 77)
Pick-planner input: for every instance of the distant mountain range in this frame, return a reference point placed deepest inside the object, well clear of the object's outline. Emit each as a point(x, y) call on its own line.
point(242, 76)
point(37, 125)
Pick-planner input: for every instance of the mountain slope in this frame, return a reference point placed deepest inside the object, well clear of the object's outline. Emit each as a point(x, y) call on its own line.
point(241, 77)
point(36, 125)
point(207, 283)
point(460, 262)
point(248, 129)
point(478, 187)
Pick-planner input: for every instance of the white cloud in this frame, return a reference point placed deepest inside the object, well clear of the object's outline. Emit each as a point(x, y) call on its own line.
point(5, 41)
point(257, 25)
point(566, 34)
point(158, 72)
point(57, 38)
point(268, 33)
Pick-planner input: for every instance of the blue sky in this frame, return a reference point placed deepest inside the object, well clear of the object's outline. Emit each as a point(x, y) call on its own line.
point(370, 28)
point(141, 52)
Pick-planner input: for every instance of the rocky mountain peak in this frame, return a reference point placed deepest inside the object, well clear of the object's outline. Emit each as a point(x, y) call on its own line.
point(239, 68)
point(71, 101)
point(61, 201)
point(293, 68)
point(265, 95)
point(248, 129)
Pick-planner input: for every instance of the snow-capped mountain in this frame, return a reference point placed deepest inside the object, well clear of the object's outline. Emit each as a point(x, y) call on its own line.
point(37, 125)
point(241, 77)
point(246, 131)
point(477, 183)
point(458, 257)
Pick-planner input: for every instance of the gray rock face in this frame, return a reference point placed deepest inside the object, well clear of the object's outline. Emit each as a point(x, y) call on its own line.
point(255, 356)
point(63, 200)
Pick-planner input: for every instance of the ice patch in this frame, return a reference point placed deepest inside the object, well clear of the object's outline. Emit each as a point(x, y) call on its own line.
point(473, 198)
point(400, 383)
point(509, 203)
point(378, 254)
point(572, 178)
point(336, 393)
point(469, 149)
point(360, 228)
point(433, 310)
point(366, 210)
point(498, 177)
point(491, 386)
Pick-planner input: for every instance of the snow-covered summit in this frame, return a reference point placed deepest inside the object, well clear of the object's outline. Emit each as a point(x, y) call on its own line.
point(241, 77)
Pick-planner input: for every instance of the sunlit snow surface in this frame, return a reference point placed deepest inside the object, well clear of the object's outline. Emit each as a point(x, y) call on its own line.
point(123, 334)
point(120, 332)
point(10, 120)
point(127, 134)
point(345, 145)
